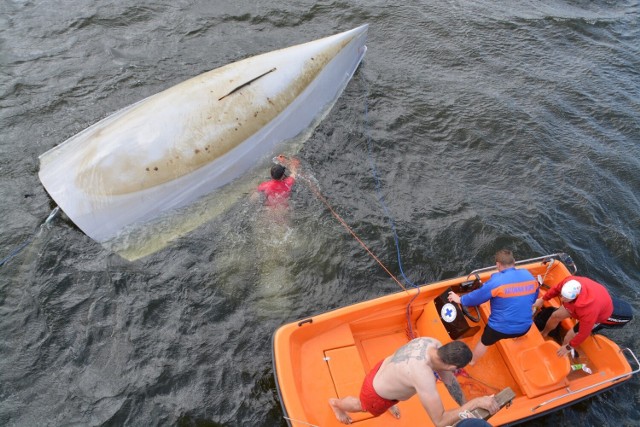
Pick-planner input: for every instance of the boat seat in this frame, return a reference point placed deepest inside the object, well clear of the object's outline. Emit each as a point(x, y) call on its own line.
point(541, 365)
point(532, 361)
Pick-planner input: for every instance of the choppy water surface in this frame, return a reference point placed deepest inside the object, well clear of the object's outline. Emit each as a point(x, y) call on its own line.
point(490, 125)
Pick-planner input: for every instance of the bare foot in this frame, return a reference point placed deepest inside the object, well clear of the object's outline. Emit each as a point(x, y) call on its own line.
point(395, 411)
point(341, 415)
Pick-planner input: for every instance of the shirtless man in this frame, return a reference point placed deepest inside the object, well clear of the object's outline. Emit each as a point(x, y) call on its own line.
point(410, 370)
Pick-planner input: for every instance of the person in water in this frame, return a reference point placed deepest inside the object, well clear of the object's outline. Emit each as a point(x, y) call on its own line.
point(585, 300)
point(412, 370)
point(278, 189)
point(511, 292)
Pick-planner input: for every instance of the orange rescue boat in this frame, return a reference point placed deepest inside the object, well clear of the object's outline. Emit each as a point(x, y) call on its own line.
point(328, 355)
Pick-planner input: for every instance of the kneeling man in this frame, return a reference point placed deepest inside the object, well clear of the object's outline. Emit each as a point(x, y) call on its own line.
point(589, 303)
point(412, 370)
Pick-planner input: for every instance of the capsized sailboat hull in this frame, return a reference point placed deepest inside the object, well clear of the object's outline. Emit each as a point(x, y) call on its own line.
point(327, 356)
point(172, 148)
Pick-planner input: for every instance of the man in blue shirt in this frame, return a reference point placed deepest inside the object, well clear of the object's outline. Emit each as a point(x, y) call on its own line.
point(511, 292)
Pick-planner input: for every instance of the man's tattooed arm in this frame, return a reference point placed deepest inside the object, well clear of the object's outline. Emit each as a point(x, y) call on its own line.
point(454, 388)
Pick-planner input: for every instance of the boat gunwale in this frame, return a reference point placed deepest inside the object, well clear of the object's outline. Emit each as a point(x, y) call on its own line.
point(565, 405)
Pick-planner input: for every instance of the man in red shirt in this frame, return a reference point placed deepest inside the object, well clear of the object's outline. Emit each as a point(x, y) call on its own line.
point(278, 188)
point(582, 299)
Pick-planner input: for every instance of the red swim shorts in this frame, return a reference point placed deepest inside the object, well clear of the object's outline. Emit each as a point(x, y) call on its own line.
point(369, 399)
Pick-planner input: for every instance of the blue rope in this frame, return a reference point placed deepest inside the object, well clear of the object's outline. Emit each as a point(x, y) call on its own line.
point(378, 186)
point(376, 178)
point(16, 251)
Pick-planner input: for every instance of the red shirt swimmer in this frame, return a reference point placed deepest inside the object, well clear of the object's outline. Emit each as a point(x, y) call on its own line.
point(278, 189)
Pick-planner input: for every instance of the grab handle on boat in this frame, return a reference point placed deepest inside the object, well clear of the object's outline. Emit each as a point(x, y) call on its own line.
point(610, 380)
point(302, 322)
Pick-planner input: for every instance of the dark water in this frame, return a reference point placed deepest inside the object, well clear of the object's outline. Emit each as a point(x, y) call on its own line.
point(490, 125)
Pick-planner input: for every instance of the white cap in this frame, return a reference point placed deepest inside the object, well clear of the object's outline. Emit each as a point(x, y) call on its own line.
point(571, 289)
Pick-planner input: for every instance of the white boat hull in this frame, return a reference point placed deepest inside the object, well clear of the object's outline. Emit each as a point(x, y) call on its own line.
point(174, 147)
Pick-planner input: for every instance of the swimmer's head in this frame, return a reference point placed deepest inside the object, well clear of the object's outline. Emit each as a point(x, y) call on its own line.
point(277, 171)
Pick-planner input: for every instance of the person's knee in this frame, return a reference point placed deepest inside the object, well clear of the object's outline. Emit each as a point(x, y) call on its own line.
point(557, 316)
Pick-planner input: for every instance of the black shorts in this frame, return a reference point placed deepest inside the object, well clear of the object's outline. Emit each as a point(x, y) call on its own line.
point(491, 336)
point(622, 314)
point(599, 326)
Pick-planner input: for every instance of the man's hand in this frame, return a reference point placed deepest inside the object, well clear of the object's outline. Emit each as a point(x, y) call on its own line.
point(538, 303)
point(453, 297)
point(563, 351)
point(281, 159)
point(291, 163)
point(487, 402)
